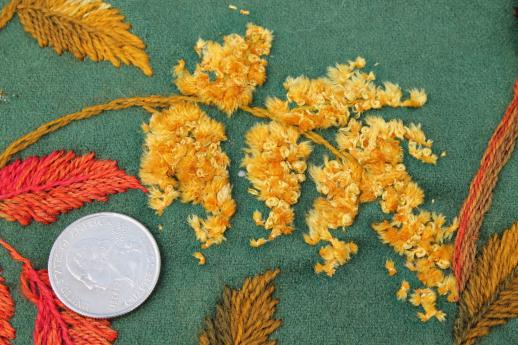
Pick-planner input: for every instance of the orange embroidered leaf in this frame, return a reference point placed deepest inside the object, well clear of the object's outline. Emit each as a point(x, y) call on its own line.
point(491, 294)
point(7, 332)
point(56, 324)
point(244, 316)
point(42, 188)
point(84, 28)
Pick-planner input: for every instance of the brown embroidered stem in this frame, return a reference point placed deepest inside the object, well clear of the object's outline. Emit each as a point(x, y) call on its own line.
point(8, 12)
point(149, 103)
point(122, 103)
point(316, 138)
point(478, 201)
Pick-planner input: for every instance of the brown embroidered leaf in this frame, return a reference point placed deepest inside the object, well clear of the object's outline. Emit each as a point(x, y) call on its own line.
point(244, 316)
point(42, 188)
point(85, 28)
point(491, 294)
point(56, 324)
point(7, 332)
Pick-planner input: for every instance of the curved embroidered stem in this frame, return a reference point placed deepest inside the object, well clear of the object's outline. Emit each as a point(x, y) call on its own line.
point(149, 103)
point(122, 103)
point(8, 12)
point(315, 137)
point(478, 201)
point(14, 254)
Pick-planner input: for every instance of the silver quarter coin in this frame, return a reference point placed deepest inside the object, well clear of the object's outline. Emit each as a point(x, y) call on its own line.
point(104, 265)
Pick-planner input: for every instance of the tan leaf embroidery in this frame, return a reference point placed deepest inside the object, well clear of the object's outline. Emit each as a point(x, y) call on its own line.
point(85, 28)
point(491, 294)
point(244, 316)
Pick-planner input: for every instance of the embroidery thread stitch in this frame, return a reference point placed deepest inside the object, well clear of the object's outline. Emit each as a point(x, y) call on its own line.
point(84, 28)
point(183, 159)
point(490, 296)
point(56, 324)
point(7, 332)
point(42, 188)
point(368, 159)
point(478, 200)
point(245, 316)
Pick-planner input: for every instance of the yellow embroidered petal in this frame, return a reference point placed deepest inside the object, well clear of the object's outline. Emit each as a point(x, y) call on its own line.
point(275, 163)
point(228, 73)
point(391, 268)
point(200, 257)
point(402, 293)
point(183, 158)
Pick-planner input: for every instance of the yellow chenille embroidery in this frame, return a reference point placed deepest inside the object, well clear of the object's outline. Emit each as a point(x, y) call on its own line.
point(402, 293)
point(200, 257)
point(227, 74)
point(183, 159)
point(391, 268)
point(275, 165)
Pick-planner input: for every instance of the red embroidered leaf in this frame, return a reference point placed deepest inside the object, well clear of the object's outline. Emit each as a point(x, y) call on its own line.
point(41, 188)
point(55, 323)
point(7, 332)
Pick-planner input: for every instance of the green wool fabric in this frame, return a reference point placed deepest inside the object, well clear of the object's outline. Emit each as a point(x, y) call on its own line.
point(464, 53)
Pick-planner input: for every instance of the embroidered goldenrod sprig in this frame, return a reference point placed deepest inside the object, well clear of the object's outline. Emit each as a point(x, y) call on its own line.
point(85, 28)
point(490, 297)
point(329, 101)
point(244, 316)
point(367, 163)
point(275, 164)
point(423, 240)
point(227, 74)
point(376, 147)
point(183, 158)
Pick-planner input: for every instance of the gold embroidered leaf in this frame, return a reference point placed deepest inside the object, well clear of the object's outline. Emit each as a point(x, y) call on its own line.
point(7, 12)
point(85, 28)
point(244, 316)
point(491, 294)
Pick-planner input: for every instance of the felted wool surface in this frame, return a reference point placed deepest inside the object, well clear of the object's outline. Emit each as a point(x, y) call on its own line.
point(464, 53)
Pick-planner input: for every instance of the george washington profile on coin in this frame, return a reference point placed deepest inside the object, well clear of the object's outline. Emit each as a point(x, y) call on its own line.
point(104, 265)
point(99, 263)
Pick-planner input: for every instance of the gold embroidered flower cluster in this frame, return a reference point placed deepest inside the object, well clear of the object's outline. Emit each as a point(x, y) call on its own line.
point(184, 159)
point(227, 74)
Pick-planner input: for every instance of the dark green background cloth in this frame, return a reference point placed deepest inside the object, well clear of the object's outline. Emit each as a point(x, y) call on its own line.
point(464, 53)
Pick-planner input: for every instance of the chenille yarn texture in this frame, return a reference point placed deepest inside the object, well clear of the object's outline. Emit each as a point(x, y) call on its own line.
point(183, 158)
point(462, 112)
